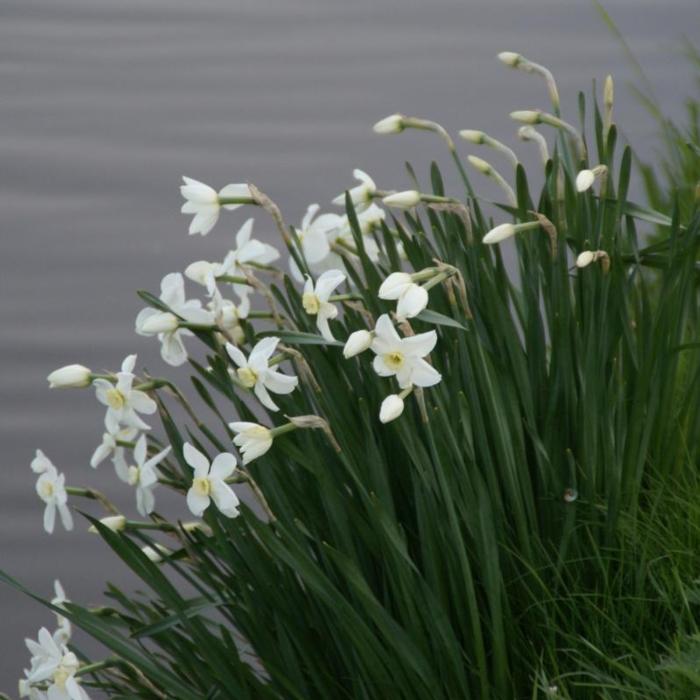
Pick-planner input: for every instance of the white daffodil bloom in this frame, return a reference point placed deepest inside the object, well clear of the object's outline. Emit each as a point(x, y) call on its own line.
point(123, 402)
point(315, 236)
point(357, 342)
point(228, 315)
point(70, 376)
point(315, 300)
point(205, 203)
point(64, 631)
point(50, 487)
point(165, 324)
point(403, 357)
point(144, 476)
point(53, 664)
point(209, 482)
point(360, 195)
point(411, 297)
point(41, 463)
point(110, 447)
point(248, 251)
point(391, 408)
point(256, 374)
point(252, 439)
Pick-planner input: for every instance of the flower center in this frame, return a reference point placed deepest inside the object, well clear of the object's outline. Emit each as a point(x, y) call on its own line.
point(247, 376)
point(47, 489)
point(60, 677)
point(133, 475)
point(115, 399)
point(201, 485)
point(258, 432)
point(394, 360)
point(311, 303)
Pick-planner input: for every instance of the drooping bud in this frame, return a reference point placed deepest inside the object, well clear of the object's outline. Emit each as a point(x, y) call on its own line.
point(403, 200)
point(357, 342)
point(586, 178)
point(116, 523)
point(159, 323)
point(509, 58)
point(391, 408)
point(393, 124)
point(472, 135)
point(70, 376)
point(499, 233)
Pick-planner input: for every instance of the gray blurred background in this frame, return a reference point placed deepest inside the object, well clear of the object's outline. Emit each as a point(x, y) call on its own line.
point(105, 104)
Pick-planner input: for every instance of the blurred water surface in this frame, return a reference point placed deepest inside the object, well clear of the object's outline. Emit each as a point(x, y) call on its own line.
point(106, 104)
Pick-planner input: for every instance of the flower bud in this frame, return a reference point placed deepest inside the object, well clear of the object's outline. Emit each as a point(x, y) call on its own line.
point(358, 342)
point(116, 523)
point(509, 58)
point(472, 136)
point(391, 408)
point(74, 376)
point(608, 92)
point(159, 323)
point(393, 124)
point(584, 180)
point(480, 164)
point(500, 233)
point(526, 116)
point(155, 554)
point(402, 200)
point(200, 272)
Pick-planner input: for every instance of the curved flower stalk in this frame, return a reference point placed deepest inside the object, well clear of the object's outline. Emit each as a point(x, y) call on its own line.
point(123, 402)
point(209, 482)
point(315, 300)
point(165, 325)
point(529, 133)
point(515, 60)
point(254, 372)
point(483, 139)
point(485, 168)
point(144, 476)
point(206, 203)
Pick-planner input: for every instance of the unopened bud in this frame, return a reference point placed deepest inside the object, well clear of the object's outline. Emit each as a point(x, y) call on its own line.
point(70, 376)
point(403, 200)
point(116, 523)
point(159, 323)
point(472, 135)
point(393, 124)
point(391, 408)
point(357, 342)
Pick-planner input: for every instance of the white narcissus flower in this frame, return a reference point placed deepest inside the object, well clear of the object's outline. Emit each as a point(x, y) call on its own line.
point(249, 251)
point(253, 440)
point(204, 202)
point(403, 200)
point(110, 447)
point(123, 402)
point(393, 124)
point(357, 342)
point(403, 357)
point(228, 315)
point(64, 631)
point(53, 664)
point(50, 487)
point(255, 372)
point(411, 297)
point(360, 195)
point(165, 324)
point(70, 376)
point(209, 482)
point(41, 463)
point(315, 300)
point(315, 236)
point(144, 476)
point(391, 408)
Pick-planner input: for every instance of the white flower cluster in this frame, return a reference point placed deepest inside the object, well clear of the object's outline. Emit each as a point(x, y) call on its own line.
point(53, 669)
